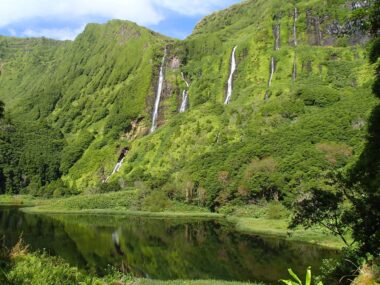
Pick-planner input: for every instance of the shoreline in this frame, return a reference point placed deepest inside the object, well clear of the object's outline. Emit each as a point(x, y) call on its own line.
point(245, 225)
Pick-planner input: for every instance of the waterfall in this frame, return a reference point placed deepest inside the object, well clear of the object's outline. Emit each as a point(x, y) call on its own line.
point(158, 95)
point(185, 95)
point(272, 70)
point(294, 73)
point(276, 33)
point(230, 79)
point(186, 82)
point(118, 164)
point(295, 26)
point(115, 169)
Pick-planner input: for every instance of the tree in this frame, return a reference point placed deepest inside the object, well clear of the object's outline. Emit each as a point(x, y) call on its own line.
point(324, 208)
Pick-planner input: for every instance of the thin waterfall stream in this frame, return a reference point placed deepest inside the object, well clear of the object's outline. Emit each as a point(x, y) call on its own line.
point(271, 73)
point(185, 95)
point(118, 164)
point(158, 95)
point(231, 77)
point(295, 18)
point(277, 40)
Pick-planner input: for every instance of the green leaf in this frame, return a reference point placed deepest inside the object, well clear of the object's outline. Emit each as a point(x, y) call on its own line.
point(308, 276)
point(295, 277)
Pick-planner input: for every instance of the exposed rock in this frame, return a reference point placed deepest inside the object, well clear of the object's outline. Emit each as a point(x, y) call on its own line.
point(175, 63)
point(354, 5)
point(358, 124)
point(136, 129)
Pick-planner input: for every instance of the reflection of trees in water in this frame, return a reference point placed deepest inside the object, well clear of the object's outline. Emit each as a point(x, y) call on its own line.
point(40, 233)
point(165, 249)
point(224, 254)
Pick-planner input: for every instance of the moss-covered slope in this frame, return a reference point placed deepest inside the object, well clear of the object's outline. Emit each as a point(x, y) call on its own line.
point(99, 92)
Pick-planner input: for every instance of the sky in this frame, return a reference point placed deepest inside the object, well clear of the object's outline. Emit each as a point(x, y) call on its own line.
point(65, 19)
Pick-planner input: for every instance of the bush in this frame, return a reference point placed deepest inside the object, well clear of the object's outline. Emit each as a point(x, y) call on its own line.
point(156, 201)
point(320, 96)
point(23, 267)
point(276, 211)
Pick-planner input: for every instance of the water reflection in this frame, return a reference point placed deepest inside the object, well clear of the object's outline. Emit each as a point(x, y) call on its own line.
point(161, 249)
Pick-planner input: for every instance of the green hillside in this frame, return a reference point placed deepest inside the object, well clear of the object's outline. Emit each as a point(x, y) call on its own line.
point(95, 97)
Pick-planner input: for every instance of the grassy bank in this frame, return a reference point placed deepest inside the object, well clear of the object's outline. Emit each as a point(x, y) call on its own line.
point(279, 227)
point(127, 203)
point(22, 200)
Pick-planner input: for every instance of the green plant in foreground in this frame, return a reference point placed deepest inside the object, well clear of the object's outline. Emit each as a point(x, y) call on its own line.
point(297, 280)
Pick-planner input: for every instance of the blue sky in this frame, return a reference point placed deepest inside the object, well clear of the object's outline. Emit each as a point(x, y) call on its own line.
point(65, 19)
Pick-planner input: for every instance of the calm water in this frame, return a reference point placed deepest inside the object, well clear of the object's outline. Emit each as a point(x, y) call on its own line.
point(161, 249)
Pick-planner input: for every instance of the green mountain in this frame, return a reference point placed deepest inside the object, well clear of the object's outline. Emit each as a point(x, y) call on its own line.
point(300, 100)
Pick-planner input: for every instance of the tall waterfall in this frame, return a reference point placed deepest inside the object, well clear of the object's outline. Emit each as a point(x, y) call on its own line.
point(294, 73)
point(231, 78)
point(185, 95)
point(272, 70)
point(276, 33)
point(295, 18)
point(158, 95)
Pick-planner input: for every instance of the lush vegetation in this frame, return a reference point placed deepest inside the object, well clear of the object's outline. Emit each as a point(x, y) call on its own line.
point(94, 98)
point(73, 108)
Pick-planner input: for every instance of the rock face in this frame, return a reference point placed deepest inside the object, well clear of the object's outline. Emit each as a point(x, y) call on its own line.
point(175, 63)
point(324, 29)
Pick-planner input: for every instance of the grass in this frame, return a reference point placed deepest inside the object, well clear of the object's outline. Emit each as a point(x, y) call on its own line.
point(22, 200)
point(278, 227)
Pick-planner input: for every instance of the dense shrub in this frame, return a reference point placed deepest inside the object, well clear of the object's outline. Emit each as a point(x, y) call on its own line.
point(320, 96)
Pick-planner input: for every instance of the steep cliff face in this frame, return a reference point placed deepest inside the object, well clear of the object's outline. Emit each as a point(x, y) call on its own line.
point(315, 80)
point(300, 93)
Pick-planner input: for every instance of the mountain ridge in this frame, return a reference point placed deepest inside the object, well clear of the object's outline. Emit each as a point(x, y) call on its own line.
point(100, 97)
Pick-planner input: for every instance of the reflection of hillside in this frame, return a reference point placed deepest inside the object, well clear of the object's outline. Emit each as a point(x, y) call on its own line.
point(166, 249)
point(40, 233)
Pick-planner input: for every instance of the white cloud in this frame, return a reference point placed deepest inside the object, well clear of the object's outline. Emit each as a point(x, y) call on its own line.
point(193, 7)
point(143, 12)
point(59, 34)
point(140, 11)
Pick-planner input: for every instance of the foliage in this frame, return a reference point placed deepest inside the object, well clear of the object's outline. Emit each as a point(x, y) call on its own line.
point(322, 208)
point(23, 267)
point(353, 204)
point(297, 281)
point(73, 152)
point(95, 96)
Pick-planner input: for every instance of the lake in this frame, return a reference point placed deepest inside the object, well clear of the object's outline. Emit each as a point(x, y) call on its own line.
point(161, 248)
